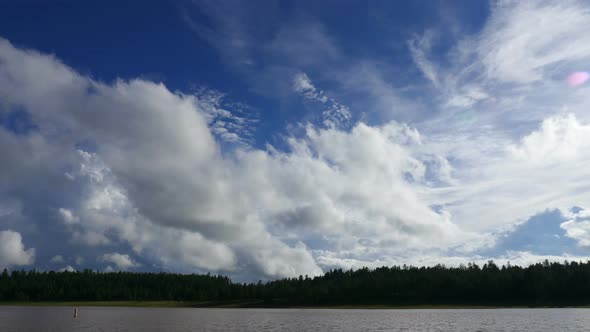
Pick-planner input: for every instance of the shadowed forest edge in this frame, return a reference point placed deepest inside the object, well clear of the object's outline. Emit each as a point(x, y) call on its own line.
point(542, 284)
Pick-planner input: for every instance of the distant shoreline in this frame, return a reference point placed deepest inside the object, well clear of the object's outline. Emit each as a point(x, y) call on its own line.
point(438, 287)
point(254, 305)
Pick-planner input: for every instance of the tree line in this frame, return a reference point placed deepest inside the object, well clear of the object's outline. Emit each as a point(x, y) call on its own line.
point(538, 284)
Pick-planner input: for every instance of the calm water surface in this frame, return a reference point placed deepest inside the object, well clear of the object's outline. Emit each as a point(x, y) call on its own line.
point(60, 319)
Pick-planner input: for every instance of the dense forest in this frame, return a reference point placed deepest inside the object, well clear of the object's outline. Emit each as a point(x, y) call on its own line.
point(539, 284)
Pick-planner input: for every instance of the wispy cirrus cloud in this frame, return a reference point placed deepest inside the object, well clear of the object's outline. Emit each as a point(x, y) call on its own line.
point(512, 129)
point(419, 47)
point(334, 114)
point(231, 122)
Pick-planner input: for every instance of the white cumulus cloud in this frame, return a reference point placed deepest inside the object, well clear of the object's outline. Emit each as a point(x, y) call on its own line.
point(13, 251)
point(122, 261)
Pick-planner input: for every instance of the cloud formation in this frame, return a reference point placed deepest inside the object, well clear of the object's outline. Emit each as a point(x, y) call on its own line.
point(334, 115)
point(130, 175)
point(513, 131)
point(156, 180)
point(121, 261)
point(12, 250)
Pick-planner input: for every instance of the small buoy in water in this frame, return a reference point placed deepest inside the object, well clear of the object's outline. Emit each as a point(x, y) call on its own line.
point(75, 312)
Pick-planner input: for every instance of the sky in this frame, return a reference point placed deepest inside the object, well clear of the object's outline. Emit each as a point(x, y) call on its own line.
point(270, 139)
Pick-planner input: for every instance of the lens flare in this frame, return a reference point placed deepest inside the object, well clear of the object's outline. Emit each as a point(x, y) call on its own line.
point(578, 78)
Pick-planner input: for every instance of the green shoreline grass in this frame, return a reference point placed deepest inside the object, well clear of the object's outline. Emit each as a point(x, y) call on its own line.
point(237, 305)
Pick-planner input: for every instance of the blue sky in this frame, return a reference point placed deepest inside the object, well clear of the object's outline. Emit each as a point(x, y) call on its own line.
point(266, 139)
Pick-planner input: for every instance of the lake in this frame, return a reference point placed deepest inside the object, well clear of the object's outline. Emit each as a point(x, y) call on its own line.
point(60, 319)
